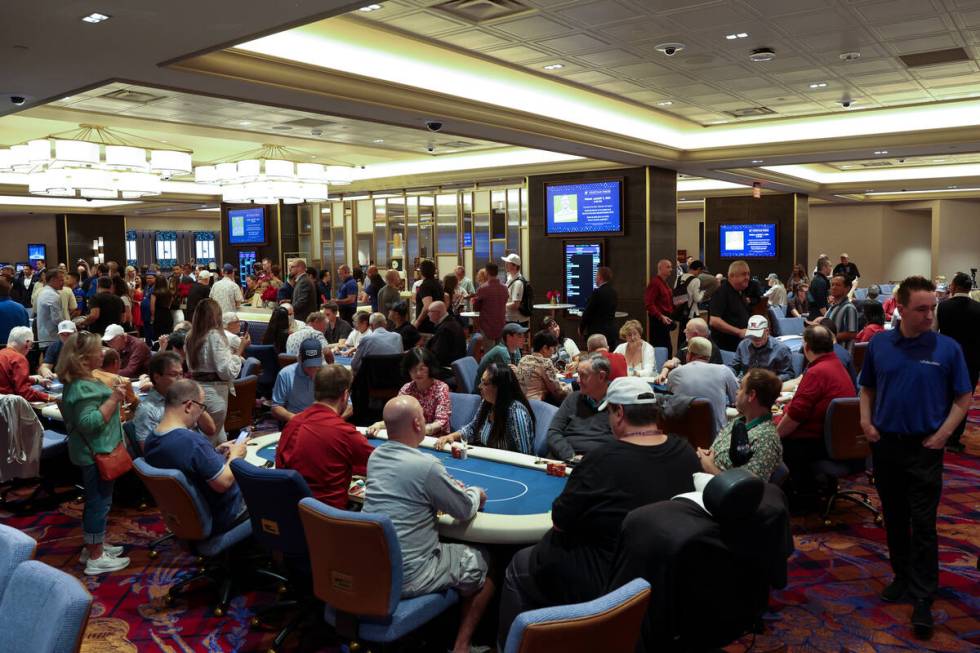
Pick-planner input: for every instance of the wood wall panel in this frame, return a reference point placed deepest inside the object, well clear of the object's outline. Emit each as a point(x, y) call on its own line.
point(81, 229)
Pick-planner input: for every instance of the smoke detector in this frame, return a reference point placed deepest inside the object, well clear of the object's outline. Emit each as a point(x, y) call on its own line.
point(760, 55)
point(850, 56)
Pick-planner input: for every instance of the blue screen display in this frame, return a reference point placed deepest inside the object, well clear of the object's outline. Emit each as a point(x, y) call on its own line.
point(582, 260)
point(590, 208)
point(36, 251)
point(246, 226)
point(747, 240)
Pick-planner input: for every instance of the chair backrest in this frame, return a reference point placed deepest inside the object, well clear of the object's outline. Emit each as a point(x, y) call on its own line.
point(183, 508)
point(363, 580)
point(543, 414)
point(249, 367)
point(272, 497)
point(790, 326)
point(378, 379)
point(132, 445)
point(15, 547)
point(465, 371)
point(860, 293)
point(286, 359)
point(659, 358)
point(43, 610)
point(697, 425)
point(256, 329)
point(268, 359)
point(843, 436)
point(727, 357)
point(610, 623)
point(464, 407)
point(774, 322)
point(797, 360)
point(241, 405)
point(858, 352)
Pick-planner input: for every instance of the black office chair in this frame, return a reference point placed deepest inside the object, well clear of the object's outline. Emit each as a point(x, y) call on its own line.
point(377, 380)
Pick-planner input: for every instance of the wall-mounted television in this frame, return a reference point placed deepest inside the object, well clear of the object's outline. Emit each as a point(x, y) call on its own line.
point(748, 240)
point(247, 226)
point(582, 260)
point(585, 208)
point(37, 252)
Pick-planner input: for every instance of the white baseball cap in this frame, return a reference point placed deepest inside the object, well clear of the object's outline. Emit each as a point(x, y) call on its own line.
point(112, 331)
point(228, 317)
point(67, 326)
point(628, 391)
point(512, 258)
point(757, 326)
point(203, 275)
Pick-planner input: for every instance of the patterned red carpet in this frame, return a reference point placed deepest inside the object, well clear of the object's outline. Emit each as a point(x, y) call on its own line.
point(830, 605)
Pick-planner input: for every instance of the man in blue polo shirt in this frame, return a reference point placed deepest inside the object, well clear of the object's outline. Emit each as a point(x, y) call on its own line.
point(293, 392)
point(915, 390)
point(346, 293)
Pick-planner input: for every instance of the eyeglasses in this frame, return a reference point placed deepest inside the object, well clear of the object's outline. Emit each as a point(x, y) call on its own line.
point(199, 403)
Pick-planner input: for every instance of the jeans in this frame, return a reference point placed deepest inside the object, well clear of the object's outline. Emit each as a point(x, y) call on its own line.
point(519, 594)
point(98, 500)
point(660, 335)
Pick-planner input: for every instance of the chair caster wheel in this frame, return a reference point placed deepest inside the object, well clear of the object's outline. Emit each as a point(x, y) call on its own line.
point(219, 612)
point(154, 554)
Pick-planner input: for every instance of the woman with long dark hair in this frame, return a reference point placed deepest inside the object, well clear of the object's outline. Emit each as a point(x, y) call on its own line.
point(277, 332)
point(161, 317)
point(504, 420)
point(212, 362)
point(122, 290)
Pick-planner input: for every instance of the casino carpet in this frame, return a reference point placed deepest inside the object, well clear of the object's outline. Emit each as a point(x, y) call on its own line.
point(830, 604)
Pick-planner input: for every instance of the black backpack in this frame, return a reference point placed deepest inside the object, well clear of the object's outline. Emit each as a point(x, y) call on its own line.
point(682, 301)
point(527, 299)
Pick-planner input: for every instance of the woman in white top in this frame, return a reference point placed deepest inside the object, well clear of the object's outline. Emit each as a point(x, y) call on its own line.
point(640, 360)
point(359, 331)
point(566, 351)
point(776, 292)
point(212, 362)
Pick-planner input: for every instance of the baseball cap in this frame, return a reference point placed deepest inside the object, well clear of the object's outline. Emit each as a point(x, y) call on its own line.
point(757, 326)
point(112, 331)
point(228, 267)
point(513, 327)
point(203, 275)
point(311, 353)
point(844, 255)
point(512, 258)
point(228, 317)
point(771, 276)
point(67, 326)
point(628, 391)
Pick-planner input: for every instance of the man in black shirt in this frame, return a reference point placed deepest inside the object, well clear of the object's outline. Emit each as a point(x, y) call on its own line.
point(200, 290)
point(398, 315)
point(448, 342)
point(337, 327)
point(847, 270)
point(105, 308)
point(571, 562)
point(729, 308)
point(599, 314)
point(959, 318)
point(430, 290)
point(819, 290)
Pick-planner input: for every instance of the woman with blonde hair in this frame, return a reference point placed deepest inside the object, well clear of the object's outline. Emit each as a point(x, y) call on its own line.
point(212, 362)
point(90, 411)
point(639, 354)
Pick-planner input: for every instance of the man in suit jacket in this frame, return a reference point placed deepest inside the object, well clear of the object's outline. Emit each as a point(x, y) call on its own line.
point(959, 318)
point(448, 342)
point(379, 342)
point(599, 314)
point(304, 292)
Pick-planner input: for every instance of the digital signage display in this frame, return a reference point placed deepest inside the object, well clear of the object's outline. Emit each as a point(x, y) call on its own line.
point(587, 208)
point(246, 226)
point(747, 240)
point(582, 260)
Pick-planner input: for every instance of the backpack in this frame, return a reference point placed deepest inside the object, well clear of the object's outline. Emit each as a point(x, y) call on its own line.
point(709, 284)
point(682, 300)
point(527, 299)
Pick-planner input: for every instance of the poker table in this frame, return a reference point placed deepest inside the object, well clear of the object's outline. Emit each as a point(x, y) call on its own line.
point(519, 491)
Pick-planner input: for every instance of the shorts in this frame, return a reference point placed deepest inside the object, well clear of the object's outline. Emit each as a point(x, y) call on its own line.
point(457, 566)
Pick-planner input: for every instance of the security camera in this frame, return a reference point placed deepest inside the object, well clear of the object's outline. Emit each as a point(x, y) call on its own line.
point(901, 160)
point(316, 132)
point(431, 148)
point(433, 125)
point(19, 100)
point(846, 104)
point(670, 49)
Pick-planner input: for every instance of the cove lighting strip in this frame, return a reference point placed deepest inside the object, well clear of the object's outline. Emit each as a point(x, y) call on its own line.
point(808, 173)
point(17, 200)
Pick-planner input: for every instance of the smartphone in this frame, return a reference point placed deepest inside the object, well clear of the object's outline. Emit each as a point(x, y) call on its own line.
point(242, 437)
point(242, 327)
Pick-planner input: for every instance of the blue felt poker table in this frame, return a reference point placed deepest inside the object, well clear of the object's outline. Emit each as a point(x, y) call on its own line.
point(519, 491)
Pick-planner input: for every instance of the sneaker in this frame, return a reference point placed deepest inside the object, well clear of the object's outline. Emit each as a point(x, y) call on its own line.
point(922, 619)
point(104, 564)
point(895, 591)
point(107, 549)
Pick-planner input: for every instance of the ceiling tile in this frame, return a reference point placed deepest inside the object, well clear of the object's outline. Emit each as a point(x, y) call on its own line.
point(640, 70)
point(611, 58)
point(892, 10)
point(926, 44)
point(815, 22)
point(638, 29)
point(424, 23)
point(947, 70)
point(970, 18)
point(598, 13)
point(958, 80)
point(590, 77)
point(473, 39)
point(747, 83)
point(921, 27)
point(694, 89)
point(712, 16)
point(723, 73)
point(619, 86)
point(574, 43)
point(519, 54)
point(670, 80)
point(774, 8)
point(532, 27)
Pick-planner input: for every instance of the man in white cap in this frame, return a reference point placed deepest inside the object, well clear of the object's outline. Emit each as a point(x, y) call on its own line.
point(134, 354)
point(293, 392)
point(640, 466)
point(516, 286)
point(66, 329)
point(232, 325)
point(508, 352)
point(757, 349)
point(200, 290)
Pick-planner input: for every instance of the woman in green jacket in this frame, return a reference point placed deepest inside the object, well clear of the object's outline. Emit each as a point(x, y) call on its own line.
point(90, 410)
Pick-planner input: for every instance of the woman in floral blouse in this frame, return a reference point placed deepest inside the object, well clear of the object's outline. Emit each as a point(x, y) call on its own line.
point(756, 395)
point(432, 393)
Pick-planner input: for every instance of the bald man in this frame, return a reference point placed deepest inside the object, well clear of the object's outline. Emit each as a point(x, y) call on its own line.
point(659, 300)
point(410, 487)
point(447, 342)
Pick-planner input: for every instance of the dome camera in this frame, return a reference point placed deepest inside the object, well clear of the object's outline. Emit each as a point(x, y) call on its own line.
point(846, 104)
point(670, 49)
point(430, 148)
point(18, 100)
point(433, 125)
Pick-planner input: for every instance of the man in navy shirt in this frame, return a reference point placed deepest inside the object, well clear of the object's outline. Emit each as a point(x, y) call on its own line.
point(174, 445)
point(12, 314)
point(915, 390)
point(347, 293)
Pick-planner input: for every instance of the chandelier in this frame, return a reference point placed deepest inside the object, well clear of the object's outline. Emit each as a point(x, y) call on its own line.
point(273, 174)
point(95, 163)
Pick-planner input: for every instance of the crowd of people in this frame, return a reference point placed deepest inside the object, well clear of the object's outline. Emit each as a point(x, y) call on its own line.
point(96, 329)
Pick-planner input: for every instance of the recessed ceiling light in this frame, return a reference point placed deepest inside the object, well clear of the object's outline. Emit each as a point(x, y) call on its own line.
point(95, 18)
point(756, 160)
point(938, 160)
point(244, 123)
point(850, 56)
point(665, 103)
point(762, 55)
point(737, 35)
point(683, 199)
point(881, 151)
point(951, 187)
point(554, 66)
point(378, 140)
point(371, 7)
point(65, 99)
point(818, 85)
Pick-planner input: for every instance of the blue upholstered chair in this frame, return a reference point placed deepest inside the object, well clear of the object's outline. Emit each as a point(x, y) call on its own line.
point(188, 517)
point(727, 357)
point(43, 610)
point(543, 414)
point(848, 452)
point(798, 361)
point(464, 407)
point(465, 370)
point(266, 355)
point(15, 547)
point(53, 444)
point(610, 624)
point(659, 357)
point(790, 326)
point(249, 367)
point(860, 293)
point(272, 497)
point(361, 585)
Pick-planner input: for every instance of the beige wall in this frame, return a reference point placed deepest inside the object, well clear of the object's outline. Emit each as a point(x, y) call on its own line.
point(855, 229)
point(18, 230)
point(207, 222)
point(906, 244)
point(688, 225)
point(955, 237)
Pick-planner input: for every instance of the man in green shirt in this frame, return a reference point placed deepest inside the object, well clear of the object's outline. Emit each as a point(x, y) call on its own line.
point(508, 352)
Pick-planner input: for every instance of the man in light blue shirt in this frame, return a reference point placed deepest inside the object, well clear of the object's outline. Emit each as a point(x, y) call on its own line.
point(293, 392)
point(48, 311)
point(165, 369)
point(378, 342)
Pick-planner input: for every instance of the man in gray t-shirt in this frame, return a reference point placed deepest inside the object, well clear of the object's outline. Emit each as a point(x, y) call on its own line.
point(409, 487)
point(699, 378)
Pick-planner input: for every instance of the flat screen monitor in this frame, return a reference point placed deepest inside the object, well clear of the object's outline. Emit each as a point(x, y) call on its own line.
point(246, 264)
point(591, 208)
point(582, 260)
point(37, 252)
point(246, 226)
point(747, 240)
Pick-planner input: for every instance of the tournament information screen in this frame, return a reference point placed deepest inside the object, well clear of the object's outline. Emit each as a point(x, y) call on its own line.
point(246, 226)
point(747, 240)
point(581, 262)
point(594, 207)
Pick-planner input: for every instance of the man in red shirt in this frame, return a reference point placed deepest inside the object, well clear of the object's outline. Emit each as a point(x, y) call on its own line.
point(320, 445)
point(659, 300)
point(15, 378)
point(801, 428)
point(491, 302)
